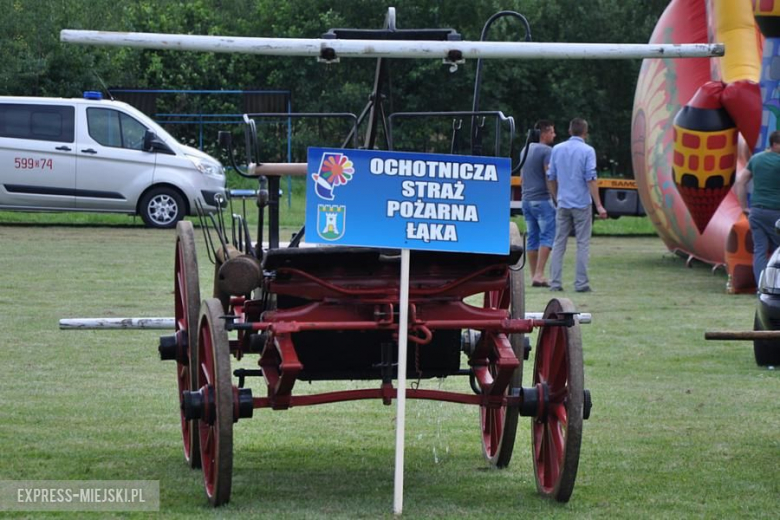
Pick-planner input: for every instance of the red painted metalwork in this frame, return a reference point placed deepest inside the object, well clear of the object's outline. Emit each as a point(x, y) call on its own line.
point(280, 365)
point(317, 287)
point(237, 346)
point(463, 316)
point(387, 393)
point(347, 302)
point(328, 314)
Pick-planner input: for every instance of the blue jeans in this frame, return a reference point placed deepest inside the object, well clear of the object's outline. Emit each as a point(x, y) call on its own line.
point(539, 218)
point(762, 227)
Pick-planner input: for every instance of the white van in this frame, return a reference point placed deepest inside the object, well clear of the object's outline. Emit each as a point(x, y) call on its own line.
point(98, 155)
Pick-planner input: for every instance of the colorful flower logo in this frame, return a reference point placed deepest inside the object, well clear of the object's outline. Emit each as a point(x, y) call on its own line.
point(335, 170)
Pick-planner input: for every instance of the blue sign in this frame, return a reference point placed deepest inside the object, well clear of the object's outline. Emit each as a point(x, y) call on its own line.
point(403, 200)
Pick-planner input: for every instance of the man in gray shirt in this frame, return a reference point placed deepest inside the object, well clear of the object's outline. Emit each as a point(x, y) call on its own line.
point(538, 209)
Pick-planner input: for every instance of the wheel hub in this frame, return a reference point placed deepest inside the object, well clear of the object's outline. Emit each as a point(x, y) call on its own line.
point(174, 346)
point(199, 405)
point(242, 403)
point(534, 401)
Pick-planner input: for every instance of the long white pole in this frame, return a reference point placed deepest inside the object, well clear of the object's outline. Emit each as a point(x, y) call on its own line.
point(116, 323)
point(316, 47)
point(400, 420)
point(168, 323)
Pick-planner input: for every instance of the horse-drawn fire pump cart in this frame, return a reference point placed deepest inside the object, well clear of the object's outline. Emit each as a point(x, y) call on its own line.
point(333, 313)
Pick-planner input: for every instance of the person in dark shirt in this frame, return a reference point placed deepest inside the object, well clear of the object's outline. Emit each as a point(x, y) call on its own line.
point(764, 169)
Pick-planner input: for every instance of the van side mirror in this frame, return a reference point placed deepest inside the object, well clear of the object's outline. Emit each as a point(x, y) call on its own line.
point(149, 136)
point(152, 143)
point(777, 226)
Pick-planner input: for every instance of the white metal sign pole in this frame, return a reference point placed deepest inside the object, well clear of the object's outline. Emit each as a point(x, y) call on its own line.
point(400, 420)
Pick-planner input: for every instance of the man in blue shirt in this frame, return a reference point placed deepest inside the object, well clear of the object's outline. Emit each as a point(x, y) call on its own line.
point(538, 210)
point(572, 176)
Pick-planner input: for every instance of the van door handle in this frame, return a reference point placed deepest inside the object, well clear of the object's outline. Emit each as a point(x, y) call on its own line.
point(89, 150)
point(63, 148)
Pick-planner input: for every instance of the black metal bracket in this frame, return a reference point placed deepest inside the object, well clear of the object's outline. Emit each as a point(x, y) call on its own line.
point(243, 373)
point(564, 319)
point(587, 405)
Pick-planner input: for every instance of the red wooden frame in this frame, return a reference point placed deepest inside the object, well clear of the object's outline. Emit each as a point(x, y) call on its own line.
point(337, 301)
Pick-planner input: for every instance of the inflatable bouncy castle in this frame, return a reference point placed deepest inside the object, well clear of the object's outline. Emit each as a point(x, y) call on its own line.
point(697, 122)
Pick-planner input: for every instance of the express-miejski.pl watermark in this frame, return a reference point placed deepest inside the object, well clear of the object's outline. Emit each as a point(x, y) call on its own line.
point(79, 495)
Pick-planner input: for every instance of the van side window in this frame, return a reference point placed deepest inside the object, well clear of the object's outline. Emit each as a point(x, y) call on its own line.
point(38, 122)
point(113, 128)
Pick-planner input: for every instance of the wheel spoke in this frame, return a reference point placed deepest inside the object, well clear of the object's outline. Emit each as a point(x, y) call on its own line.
point(558, 373)
point(557, 432)
point(546, 366)
point(181, 300)
point(487, 433)
point(209, 461)
point(204, 371)
point(543, 469)
point(536, 433)
point(542, 458)
point(552, 460)
point(495, 430)
point(499, 425)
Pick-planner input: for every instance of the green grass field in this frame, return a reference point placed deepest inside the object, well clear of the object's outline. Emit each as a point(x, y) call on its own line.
point(291, 213)
point(680, 427)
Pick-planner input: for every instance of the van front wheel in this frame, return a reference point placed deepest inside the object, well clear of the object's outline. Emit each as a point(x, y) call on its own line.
point(161, 208)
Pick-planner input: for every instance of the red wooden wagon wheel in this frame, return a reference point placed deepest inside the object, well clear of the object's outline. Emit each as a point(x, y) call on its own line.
point(215, 427)
point(556, 432)
point(499, 425)
point(186, 305)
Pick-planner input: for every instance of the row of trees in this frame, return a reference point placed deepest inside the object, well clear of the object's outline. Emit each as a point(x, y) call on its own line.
point(36, 63)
